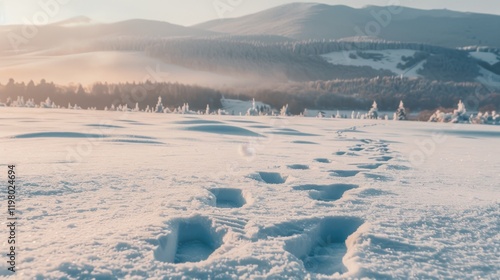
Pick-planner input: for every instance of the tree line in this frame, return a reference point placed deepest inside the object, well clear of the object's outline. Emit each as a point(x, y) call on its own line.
point(355, 94)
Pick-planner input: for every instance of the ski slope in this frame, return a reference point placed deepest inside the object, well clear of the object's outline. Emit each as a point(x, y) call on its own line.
point(113, 195)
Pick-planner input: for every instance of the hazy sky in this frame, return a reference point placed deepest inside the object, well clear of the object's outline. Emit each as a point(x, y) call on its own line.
point(188, 12)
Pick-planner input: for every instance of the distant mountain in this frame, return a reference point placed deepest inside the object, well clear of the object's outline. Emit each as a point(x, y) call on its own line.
point(319, 21)
point(81, 30)
point(280, 45)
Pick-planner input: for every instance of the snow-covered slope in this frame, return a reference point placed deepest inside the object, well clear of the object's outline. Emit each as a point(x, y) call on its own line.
point(388, 60)
point(488, 57)
point(110, 195)
point(488, 78)
point(319, 21)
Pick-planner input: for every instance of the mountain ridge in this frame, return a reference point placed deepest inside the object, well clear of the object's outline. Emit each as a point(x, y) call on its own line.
point(303, 21)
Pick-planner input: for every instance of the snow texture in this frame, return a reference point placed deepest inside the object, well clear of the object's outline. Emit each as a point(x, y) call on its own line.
point(124, 195)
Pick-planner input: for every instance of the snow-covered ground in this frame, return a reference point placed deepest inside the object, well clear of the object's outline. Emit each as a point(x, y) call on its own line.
point(488, 57)
point(111, 195)
point(389, 61)
point(488, 78)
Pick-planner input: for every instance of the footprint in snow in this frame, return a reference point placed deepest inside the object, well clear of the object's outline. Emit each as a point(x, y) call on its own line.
point(319, 244)
point(326, 192)
point(322, 160)
point(298, 166)
point(228, 198)
point(273, 178)
point(189, 241)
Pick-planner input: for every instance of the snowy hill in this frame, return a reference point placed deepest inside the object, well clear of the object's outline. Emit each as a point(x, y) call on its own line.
point(320, 21)
point(265, 50)
point(79, 32)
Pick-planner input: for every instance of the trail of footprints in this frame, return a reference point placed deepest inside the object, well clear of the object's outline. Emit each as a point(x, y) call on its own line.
point(318, 243)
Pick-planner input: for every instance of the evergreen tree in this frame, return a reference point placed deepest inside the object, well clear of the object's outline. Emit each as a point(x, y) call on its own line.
point(400, 114)
point(373, 113)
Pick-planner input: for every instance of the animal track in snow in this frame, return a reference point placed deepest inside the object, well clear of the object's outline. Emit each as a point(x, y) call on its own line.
point(228, 198)
point(189, 240)
point(326, 192)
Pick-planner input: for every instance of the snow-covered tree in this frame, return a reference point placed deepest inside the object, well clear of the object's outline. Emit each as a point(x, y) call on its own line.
point(47, 104)
point(253, 111)
point(159, 106)
point(373, 113)
point(19, 102)
point(460, 114)
point(284, 111)
point(400, 114)
point(30, 103)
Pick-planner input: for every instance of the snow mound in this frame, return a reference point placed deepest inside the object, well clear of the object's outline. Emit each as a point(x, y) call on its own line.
point(224, 129)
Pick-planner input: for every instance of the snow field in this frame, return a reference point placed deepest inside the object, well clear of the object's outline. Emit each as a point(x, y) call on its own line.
point(115, 195)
